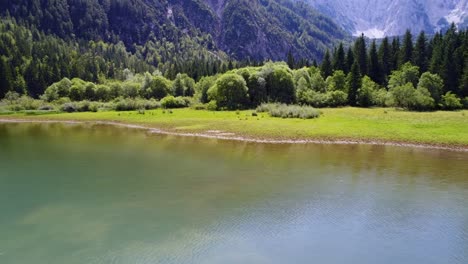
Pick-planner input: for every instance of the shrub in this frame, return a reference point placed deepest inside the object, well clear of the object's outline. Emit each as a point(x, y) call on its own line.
point(173, 102)
point(289, 111)
point(69, 107)
point(102, 93)
point(422, 100)
point(365, 93)
point(212, 106)
point(229, 92)
point(337, 98)
point(451, 102)
point(403, 95)
point(46, 108)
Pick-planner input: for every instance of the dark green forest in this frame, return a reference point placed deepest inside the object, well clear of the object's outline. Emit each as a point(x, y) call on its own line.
point(154, 49)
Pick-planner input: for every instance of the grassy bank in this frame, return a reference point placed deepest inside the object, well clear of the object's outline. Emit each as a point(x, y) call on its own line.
point(377, 124)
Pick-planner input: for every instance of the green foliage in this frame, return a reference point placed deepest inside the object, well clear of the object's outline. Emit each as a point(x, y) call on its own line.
point(229, 92)
point(336, 82)
point(407, 74)
point(353, 83)
point(366, 92)
point(174, 102)
point(433, 83)
point(202, 87)
point(183, 85)
point(155, 86)
point(289, 111)
point(451, 102)
point(403, 95)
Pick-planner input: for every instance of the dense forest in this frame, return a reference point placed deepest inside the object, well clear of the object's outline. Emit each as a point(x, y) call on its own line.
point(416, 73)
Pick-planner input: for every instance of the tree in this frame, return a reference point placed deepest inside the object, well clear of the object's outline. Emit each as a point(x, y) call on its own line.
point(395, 53)
point(433, 83)
point(451, 102)
point(317, 83)
point(280, 85)
point(349, 60)
point(353, 83)
point(360, 52)
point(385, 59)
point(229, 92)
point(339, 60)
point(407, 74)
point(365, 93)
point(420, 58)
point(6, 79)
point(291, 60)
point(158, 87)
point(326, 67)
point(375, 70)
point(336, 82)
point(406, 53)
point(403, 95)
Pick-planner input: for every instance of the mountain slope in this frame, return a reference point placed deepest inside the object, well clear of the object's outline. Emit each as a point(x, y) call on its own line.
point(244, 29)
point(380, 18)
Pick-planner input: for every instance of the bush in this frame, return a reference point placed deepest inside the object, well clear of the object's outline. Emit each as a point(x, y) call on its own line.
point(212, 106)
point(229, 92)
point(46, 108)
point(289, 111)
point(174, 102)
point(465, 103)
point(451, 102)
point(337, 98)
point(69, 107)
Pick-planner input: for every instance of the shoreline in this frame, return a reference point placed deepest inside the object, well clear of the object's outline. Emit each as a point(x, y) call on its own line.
point(222, 135)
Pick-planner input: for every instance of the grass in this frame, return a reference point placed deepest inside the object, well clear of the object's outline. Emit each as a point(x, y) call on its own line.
point(381, 124)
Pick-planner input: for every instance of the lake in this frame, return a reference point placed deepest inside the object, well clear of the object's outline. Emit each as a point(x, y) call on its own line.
point(99, 194)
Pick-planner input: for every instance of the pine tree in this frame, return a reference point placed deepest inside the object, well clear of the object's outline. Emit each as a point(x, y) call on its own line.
point(395, 54)
point(406, 53)
point(360, 51)
point(375, 70)
point(6, 78)
point(326, 67)
point(353, 83)
point(385, 58)
point(291, 60)
point(349, 60)
point(420, 58)
point(339, 62)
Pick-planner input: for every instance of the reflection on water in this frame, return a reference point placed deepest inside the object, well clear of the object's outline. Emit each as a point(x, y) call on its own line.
point(98, 194)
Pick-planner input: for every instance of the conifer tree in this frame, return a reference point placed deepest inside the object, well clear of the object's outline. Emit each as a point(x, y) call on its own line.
point(326, 67)
point(385, 59)
point(349, 60)
point(339, 59)
point(6, 79)
point(353, 83)
point(395, 54)
point(360, 51)
point(375, 71)
point(420, 52)
point(406, 53)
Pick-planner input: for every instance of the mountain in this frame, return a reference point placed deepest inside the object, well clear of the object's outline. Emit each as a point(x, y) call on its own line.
point(242, 29)
point(378, 18)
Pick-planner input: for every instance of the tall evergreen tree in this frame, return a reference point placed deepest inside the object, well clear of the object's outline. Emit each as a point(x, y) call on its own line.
point(375, 70)
point(291, 61)
point(339, 62)
point(385, 58)
point(349, 60)
point(353, 83)
point(395, 54)
point(360, 51)
point(6, 78)
point(326, 67)
point(406, 53)
point(420, 57)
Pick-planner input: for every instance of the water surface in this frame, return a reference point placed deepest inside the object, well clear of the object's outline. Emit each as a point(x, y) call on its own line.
point(99, 194)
